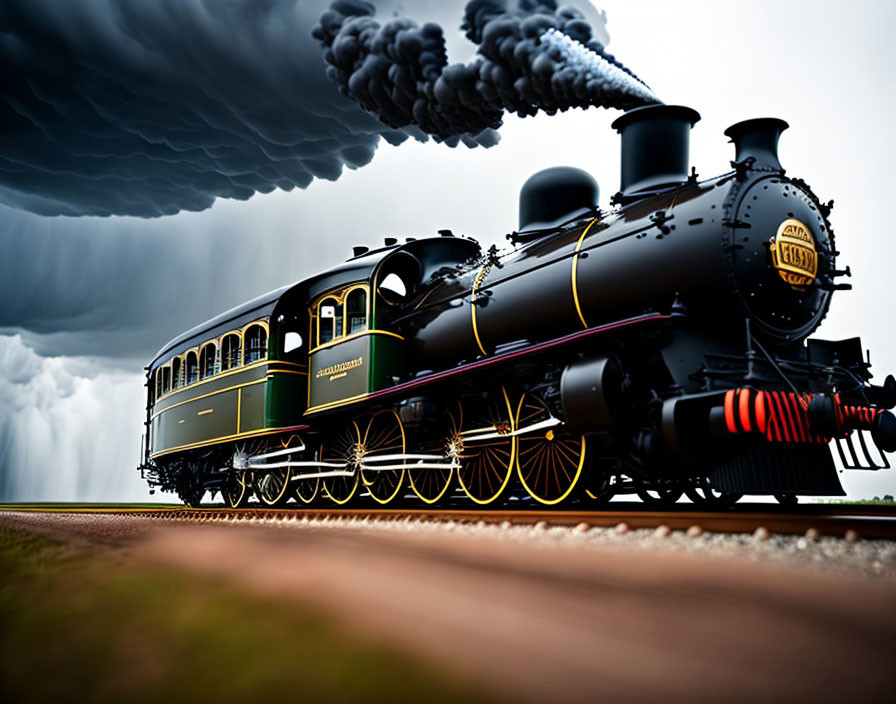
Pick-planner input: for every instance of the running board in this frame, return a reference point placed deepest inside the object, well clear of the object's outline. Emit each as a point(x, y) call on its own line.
point(374, 463)
point(490, 433)
point(277, 453)
point(324, 475)
point(418, 465)
point(282, 465)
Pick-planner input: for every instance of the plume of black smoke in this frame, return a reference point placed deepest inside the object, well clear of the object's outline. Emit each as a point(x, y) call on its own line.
point(532, 56)
point(136, 107)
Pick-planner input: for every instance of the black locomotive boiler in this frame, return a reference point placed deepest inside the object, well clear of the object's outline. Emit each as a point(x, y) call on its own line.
point(660, 348)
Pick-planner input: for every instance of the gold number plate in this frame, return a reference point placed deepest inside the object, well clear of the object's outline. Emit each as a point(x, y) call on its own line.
point(793, 254)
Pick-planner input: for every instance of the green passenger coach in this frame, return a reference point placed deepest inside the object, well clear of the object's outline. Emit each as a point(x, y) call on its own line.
point(252, 378)
point(236, 377)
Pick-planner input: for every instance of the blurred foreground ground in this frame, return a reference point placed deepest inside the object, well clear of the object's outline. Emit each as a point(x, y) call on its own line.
point(119, 608)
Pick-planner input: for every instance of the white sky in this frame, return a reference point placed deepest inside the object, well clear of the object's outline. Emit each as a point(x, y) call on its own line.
point(821, 66)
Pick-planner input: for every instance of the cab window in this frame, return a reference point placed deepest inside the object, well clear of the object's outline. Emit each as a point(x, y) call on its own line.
point(231, 351)
point(166, 378)
point(292, 341)
point(329, 321)
point(256, 343)
point(356, 311)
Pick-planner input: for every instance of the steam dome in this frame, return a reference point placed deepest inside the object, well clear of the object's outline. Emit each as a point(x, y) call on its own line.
point(554, 195)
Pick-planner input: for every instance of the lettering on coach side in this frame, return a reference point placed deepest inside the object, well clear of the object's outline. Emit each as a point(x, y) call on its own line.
point(337, 371)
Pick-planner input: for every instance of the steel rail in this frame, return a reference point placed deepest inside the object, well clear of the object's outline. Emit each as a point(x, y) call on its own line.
point(834, 520)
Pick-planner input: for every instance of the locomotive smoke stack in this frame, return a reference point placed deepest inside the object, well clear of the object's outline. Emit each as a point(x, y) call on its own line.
point(655, 142)
point(758, 139)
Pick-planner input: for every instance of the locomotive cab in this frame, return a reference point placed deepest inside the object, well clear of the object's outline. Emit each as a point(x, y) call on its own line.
point(355, 317)
point(350, 357)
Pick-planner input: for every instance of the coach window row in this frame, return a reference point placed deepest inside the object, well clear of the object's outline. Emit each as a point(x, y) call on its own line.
point(340, 315)
point(226, 353)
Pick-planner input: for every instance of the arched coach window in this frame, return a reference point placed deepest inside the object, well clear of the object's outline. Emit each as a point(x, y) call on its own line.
point(329, 320)
point(176, 373)
point(207, 361)
point(166, 378)
point(192, 367)
point(231, 351)
point(256, 343)
point(356, 311)
point(157, 385)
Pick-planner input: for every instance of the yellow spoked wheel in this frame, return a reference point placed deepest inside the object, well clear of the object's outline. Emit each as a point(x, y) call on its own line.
point(272, 487)
point(344, 448)
point(383, 437)
point(487, 447)
point(305, 490)
point(433, 485)
point(238, 488)
point(549, 462)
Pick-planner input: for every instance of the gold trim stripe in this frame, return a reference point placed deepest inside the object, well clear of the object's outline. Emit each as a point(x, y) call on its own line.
point(210, 393)
point(477, 282)
point(423, 300)
point(205, 412)
point(229, 372)
point(271, 373)
point(354, 336)
point(239, 409)
point(250, 434)
point(575, 268)
point(335, 404)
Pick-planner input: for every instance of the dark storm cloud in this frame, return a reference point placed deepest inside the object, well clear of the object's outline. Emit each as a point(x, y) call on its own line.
point(532, 56)
point(136, 107)
point(123, 287)
point(150, 107)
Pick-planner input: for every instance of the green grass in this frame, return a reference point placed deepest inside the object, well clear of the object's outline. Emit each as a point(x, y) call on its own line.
point(103, 629)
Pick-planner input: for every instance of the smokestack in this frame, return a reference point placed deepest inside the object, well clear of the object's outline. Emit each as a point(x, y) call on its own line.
point(655, 142)
point(758, 139)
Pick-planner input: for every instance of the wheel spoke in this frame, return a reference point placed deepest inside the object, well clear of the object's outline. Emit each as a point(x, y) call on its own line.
point(236, 492)
point(550, 465)
point(384, 435)
point(485, 467)
point(344, 446)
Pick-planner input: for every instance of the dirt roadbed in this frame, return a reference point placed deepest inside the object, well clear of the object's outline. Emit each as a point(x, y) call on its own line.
point(547, 620)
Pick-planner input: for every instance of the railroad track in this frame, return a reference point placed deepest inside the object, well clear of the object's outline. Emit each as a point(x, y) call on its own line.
point(841, 520)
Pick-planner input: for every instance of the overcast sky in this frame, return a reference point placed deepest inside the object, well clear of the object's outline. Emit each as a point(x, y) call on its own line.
point(85, 301)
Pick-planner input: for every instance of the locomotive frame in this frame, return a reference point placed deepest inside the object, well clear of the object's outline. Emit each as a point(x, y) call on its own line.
point(659, 348)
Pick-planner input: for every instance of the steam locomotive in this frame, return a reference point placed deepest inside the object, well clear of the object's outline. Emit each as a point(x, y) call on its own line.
point(657, 349)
